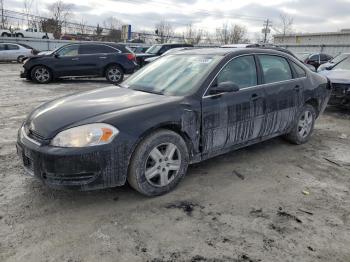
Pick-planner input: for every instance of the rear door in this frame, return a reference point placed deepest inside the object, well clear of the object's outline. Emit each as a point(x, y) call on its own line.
point(13, 52)
point(3, 53)
point(232, 119)
point(283, 94)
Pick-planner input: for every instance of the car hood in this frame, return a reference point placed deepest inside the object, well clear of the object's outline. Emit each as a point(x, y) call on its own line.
point(337, 76)
point(57, 115)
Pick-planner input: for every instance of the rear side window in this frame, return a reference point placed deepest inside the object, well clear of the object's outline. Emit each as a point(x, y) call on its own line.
point(275, 68)
point(2, 47)
point(299, 70)
point(12, 47)
point(314, 58)
point(241, 71)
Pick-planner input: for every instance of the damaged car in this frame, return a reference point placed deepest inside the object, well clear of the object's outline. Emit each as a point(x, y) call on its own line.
point(181, 109)
point(339, 75)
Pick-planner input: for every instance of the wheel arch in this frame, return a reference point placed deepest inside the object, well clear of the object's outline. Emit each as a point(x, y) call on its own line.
point(112, 64)
point(315, 104)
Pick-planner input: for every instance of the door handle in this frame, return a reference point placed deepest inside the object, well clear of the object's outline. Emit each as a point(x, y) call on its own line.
point(75, 59)
point(102, 57)
point(255, 97)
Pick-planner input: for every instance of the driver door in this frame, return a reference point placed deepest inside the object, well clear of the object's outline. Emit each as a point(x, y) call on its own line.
point(232, 119)
point(67, 61)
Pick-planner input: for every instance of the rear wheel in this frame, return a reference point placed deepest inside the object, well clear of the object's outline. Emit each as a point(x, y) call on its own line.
point(159, 163)
point(20, 59)
point(5, 35)
point(19, 35)
point(114, 74)
point(304, 126)
point(41, 74)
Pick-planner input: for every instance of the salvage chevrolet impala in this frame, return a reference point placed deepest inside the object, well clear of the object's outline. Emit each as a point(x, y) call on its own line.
point(181, 109)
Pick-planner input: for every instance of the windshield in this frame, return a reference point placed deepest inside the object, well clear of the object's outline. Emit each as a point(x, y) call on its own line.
point(339, 58)
point(344, 65)
point(176, 75)
point(154, 49)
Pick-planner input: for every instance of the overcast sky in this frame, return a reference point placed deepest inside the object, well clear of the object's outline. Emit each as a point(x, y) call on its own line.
point(309, 15)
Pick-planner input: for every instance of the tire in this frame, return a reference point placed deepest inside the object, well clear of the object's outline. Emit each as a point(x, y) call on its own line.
point(114, 74)
point(165, 169)
point(41, 74)
point(5, 35)
point(20, 59)
point(20, 35)
point(304, 126)
point(45, 37)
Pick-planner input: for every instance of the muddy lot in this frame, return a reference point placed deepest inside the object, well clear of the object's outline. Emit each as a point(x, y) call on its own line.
point(270, 202)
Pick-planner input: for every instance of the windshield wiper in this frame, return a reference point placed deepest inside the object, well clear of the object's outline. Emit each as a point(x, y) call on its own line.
point(149, 91)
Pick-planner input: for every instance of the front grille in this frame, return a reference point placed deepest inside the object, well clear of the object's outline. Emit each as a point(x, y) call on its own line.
point(341, 89)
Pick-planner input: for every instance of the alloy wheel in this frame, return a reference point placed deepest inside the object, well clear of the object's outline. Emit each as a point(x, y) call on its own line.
point(114, 75)
point(42, 75)
point(305, 124)
point(163, 164)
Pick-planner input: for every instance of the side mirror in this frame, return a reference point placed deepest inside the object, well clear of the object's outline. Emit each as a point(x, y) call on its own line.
point(311, 67)
point(56, 55)
point(224, 87)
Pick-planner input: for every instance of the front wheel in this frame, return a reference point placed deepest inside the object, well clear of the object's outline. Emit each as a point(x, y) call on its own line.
point(114, 74)
point(41, 74)
point(158, 164)
point(5, 35)
point(20, 35)
point(304, 126)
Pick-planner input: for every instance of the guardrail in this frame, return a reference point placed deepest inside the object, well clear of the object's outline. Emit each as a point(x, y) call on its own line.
point(333, 49)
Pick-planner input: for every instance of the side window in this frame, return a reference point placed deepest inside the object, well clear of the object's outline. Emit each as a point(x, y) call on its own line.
point(275, 68)
point(2, 47)
point(299, 70)
point(88, 49)
point(12, 47)
point(241, 71)
point(104, 49)
point(71, 50)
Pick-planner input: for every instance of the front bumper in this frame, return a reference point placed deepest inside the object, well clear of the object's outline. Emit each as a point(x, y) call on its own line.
point(340, 95)
point(23, 74)
point(74, 168)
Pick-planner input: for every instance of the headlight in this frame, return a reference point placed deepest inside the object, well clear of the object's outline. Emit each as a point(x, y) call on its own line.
point(86, 135)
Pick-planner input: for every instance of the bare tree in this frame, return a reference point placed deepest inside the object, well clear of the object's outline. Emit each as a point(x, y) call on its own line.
point(27, 10)
point(112, 23)
point(61, 13)
point(82, 26)
point(3, 18)
point(285, 25)
point(192, 35)
point(231, 34)
point(164, 30)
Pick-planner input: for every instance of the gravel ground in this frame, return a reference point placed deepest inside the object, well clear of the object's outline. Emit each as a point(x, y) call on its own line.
point(270, 202)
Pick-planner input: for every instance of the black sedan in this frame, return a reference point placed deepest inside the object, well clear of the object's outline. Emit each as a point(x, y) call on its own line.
point(81, 60)
point(181, 109)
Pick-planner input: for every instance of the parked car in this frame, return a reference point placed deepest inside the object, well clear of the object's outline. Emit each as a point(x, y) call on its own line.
point(139, 49)
point(33, 33)
point(5, 33)
point(170, 51)
point(95, 59)
point(14, 52)
point(339, 75)
point(314, 59)
point(185, 108)
point(333, 62)
point(157, 50)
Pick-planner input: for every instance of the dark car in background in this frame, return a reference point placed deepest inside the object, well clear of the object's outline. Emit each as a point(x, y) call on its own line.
point(81, 60)
point(157, 50)
point(141, 49)
point(185, 108)
point(339, 75)
point(314, 59)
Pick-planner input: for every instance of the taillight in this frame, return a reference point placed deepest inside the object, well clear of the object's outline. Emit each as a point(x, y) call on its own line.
point(131, 57)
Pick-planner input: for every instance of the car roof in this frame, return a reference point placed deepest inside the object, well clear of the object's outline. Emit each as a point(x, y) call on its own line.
point(228, 51)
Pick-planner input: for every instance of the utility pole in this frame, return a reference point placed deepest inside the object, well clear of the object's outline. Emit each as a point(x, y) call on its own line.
point(266, 30)
point(2, 14)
